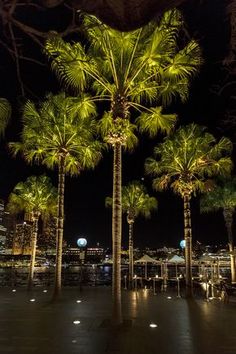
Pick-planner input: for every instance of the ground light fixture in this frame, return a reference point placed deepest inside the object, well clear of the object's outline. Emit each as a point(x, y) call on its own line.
point(32, 300)
point(78, 301)
point(153, 325)
point(45, 291)
point(76, 322)
point(13, 290)
point(169, 297)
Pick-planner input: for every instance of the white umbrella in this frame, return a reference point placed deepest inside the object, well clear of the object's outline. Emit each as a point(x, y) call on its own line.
point(145, 260)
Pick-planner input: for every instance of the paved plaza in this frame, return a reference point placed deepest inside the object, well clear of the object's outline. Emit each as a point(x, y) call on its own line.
point(79, 323)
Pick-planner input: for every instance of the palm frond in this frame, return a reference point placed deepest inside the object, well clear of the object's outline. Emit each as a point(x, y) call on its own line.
point(156, 121)
point(5, 114)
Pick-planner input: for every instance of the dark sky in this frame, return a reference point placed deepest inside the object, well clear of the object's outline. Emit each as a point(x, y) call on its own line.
point(84, 199)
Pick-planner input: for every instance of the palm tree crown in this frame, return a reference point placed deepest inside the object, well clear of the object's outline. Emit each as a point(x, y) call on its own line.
point(135, 201)
point(223, 196)
point(128, 68)
point(35, 195)
point(188, 158)
point(60, 128)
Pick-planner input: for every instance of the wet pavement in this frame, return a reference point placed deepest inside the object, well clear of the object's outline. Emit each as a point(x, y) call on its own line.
point(79, 323)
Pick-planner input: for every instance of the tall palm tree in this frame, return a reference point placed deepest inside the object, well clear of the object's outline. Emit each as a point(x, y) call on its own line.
point(186, 161)
point(59, 132)
point(135, 201)
point(5, 113)
point(128, 72)
point(37, 197)
point(223, 197)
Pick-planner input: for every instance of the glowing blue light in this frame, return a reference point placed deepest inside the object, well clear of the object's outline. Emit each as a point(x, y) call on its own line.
point(82, 242)
point(182, 244)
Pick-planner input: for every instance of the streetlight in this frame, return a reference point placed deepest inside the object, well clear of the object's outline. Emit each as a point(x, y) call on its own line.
point(154, 284)
point(135, 282)
point(178, 285)
point(207, 290)
point(125, 277)
point(82, 243)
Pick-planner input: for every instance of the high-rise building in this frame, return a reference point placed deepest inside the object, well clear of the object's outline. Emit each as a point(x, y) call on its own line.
point(9, 222)
point(22, 239)
point(2, 229)
point(47, 235)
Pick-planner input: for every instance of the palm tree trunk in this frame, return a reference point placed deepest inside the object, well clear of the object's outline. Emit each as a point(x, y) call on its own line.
point(60, 228)
point(33, 252)
point(228, 216)
point(116, 234)
point(188, 245)
point(131, 255)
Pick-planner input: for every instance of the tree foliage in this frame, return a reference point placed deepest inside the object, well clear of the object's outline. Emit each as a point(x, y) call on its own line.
point(35, 195)
point(189, 159)
point(127, 69)
point(58, 127)
point(135, 201)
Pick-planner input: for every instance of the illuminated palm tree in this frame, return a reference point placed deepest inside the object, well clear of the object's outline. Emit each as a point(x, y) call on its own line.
point(37, 197)
point(59, 132)
point(223, 197)
point(186, 161)
point(135, 201)
point(127, 72)
point(5, 113)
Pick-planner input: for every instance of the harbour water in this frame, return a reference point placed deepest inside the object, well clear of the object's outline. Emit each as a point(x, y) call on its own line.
point(93, 274)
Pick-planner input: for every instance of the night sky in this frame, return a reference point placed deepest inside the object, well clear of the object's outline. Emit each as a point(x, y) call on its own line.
point(84, 196)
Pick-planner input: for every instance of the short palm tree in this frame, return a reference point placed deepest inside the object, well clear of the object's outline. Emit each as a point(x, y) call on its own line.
point(5, 113)
point(223, 197)
point(128, 72)
point(186, 161)
point(59, 132)
point(135, 201)
point(37, 197)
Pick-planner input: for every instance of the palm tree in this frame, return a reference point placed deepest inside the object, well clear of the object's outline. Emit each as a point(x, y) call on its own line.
point(37, 197)
point(186, 161)
point(223, 197)
point(59, 132)
point(5, 113)
point(126, 70)
point(135, 201)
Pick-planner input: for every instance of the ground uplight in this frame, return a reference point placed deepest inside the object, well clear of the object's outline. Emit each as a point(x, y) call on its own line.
point(153, 325)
